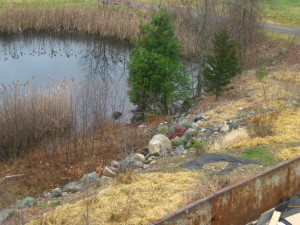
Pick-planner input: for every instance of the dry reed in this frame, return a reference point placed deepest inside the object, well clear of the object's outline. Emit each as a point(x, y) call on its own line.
point(120, 23)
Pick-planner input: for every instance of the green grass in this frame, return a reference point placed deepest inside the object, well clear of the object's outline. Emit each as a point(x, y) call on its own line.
point(283, 12)
point(260, 154)
point(281, 38)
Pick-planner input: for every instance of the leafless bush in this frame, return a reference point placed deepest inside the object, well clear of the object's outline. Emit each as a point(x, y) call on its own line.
point(263, 124)
point(206, 186)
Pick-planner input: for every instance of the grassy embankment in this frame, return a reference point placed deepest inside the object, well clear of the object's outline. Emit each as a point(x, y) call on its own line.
point(273, 133)
point(267, 144)
point(43, 172)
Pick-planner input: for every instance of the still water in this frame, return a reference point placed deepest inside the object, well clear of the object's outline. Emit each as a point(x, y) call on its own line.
point(44, 58)
point(41, 57)
point(57, 56)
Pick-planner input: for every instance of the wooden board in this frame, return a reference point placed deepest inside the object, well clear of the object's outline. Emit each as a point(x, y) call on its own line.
point(275, 218)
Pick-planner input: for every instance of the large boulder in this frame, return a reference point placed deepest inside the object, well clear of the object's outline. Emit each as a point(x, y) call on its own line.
point(90, 177)
point(5, 214)
point(73, 187)
point(26, 203)
point(159, 143)
point(55, 193)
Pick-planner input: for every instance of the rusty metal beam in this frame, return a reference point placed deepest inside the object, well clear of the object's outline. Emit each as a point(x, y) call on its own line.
point(243, 202)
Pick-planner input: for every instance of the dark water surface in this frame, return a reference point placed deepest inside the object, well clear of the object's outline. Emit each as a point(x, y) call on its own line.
point(57, 56)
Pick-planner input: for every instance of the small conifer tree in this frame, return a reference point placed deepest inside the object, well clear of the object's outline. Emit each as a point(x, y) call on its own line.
point(156, 76)
point(221, 65)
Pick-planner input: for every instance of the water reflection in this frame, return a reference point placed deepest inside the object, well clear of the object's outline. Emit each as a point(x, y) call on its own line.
point(99, 64)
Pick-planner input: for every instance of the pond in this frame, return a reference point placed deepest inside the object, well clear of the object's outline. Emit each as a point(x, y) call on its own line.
point(43, 58)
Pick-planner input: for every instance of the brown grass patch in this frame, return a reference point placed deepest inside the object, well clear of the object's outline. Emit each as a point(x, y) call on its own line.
point(288, 153)
point(144, 199)
point(70, 162)
point(286, 130)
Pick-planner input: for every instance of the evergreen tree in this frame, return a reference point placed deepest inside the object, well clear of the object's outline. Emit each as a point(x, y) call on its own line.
point(156, 76)
point(221, 65)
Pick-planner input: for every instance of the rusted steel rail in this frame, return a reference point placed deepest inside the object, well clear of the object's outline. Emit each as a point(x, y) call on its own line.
point(243, 202)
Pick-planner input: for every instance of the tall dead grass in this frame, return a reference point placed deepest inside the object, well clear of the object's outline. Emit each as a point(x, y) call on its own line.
point(28, 116)
point(121, 23)
point(57, 134)
point(118, 23)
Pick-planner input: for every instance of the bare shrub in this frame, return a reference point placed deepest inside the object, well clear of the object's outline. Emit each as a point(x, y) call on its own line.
point(206, 186)
point(263, 124)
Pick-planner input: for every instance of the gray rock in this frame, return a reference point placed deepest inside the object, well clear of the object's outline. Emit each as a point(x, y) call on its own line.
point(159, 143)
point(147, 156)
point(144, 150)
point(188, 135)
point(185, 152)
point(127, 163)
point(55, 192)
point(206, 118)
point(225, 128)
point(195, 126)
point(163, 154)
point(142, 126)
point(146, 166)
point(179, 149)
point(5, 214)
point(138, 164)
point(177, 141)
point(73, 187)
point(139, 157)
point(26, 203)
point(105, 178)
point(90, 177)
point(241, 108)
point(154, 161)
point(115, 164)
point(64, 193)
point(150, 159)
point(45, 195)
point(109, 172)
point(233, 124)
